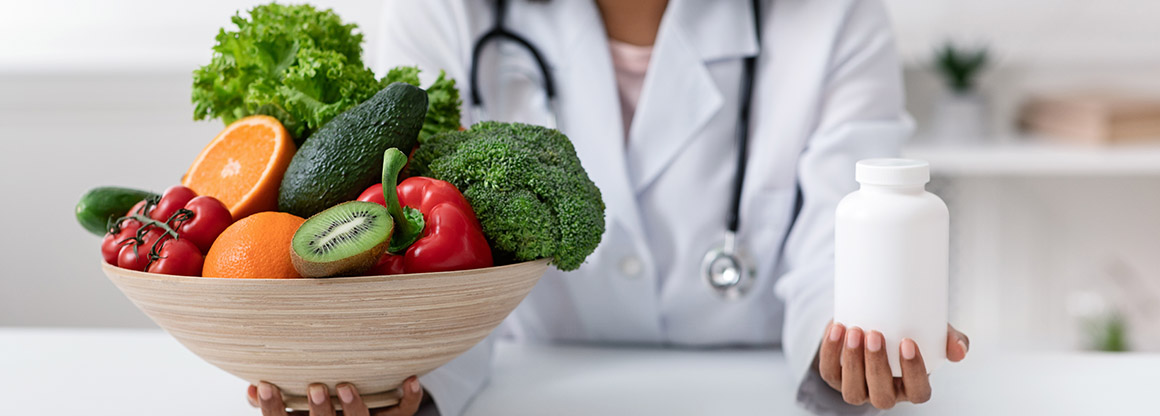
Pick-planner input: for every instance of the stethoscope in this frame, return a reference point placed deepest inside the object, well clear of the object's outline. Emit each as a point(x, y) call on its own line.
point(726, 267)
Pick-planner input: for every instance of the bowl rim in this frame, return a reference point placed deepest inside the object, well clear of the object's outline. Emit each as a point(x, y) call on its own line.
point(122, 272)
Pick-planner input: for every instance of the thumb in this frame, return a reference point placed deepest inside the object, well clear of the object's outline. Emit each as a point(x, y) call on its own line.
point(957, 344)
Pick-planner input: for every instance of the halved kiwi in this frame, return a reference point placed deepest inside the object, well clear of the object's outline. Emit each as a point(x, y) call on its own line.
point(344, 240)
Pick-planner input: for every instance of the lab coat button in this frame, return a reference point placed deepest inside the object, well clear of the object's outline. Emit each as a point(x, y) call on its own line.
point(630, 266)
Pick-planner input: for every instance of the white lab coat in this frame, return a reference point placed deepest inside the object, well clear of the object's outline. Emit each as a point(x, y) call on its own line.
point(828, 93)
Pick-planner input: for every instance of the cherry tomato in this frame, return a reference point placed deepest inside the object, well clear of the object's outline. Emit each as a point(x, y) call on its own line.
point(139, 209)
point(172, 200)
point(178, 257)
point(111, 245)
point(210, 218)
point(135, 256)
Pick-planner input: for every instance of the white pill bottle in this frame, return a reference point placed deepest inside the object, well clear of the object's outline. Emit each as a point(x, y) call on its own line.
point(890, 259)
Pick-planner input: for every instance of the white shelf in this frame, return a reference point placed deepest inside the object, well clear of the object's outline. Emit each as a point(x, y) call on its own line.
point(1025, 157)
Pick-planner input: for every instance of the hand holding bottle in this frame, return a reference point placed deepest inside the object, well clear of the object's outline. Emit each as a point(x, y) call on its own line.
point(853, 361)
point(891, 241)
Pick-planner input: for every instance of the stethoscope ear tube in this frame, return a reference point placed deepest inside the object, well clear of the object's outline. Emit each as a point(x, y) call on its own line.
point(497, 33)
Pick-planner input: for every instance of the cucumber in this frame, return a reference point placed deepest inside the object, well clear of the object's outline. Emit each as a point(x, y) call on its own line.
point(99, 205)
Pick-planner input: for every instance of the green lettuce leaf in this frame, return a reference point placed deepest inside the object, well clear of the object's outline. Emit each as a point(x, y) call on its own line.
point(302, 66)
point(296, 63)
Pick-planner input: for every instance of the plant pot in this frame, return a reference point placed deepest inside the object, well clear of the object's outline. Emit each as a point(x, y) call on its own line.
point(959, 118)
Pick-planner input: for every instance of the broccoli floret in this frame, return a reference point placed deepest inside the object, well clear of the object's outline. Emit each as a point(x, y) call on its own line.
point(526, 185)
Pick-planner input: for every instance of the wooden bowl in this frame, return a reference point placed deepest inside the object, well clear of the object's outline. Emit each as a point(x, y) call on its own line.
point(372, 331)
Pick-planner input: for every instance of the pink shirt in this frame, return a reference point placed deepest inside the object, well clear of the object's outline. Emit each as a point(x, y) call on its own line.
point(630, 63)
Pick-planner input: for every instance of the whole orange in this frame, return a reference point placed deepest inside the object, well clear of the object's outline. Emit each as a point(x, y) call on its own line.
point(256, 247)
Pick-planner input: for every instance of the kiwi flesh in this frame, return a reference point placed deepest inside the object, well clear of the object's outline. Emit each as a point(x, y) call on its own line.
point(344, 240)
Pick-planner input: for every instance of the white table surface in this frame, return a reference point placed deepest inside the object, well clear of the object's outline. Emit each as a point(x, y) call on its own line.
point(145, 372)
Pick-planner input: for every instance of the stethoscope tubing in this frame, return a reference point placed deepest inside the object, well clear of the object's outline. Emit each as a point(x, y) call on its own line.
point(733, 223)
point(731, 288)
point(497, 33)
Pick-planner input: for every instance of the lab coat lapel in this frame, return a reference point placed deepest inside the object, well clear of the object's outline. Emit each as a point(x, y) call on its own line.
point(617, 304)
point(680, 94)
point(588, 108)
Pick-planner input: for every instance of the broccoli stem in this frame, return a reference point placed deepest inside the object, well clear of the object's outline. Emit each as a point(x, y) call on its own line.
point(408, 221)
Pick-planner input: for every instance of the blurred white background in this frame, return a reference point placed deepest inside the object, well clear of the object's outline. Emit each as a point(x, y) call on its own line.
point(97, 93)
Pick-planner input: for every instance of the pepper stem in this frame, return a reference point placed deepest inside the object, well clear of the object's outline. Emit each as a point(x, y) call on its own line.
point(408, 221)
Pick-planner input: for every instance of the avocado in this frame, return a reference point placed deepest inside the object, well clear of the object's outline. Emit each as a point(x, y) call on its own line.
point(345, 156)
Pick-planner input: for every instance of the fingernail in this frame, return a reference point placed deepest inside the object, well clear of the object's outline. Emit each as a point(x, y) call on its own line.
point(874, 341)
point(853, 338)
point(317, 394)
point(835, 332)
point(908, 349)
point(963, 345)
point(345, 394)
point(414, 386)
point(265, 391)
point(252, 395)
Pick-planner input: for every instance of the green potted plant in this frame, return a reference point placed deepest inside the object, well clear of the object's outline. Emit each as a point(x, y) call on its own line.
point(1108, 333)
point(961, 112)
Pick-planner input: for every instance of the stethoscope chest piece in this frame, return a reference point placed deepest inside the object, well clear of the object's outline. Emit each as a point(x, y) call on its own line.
point(727, 269)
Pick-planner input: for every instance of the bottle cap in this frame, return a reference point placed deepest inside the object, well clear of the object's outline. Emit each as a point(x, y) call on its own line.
point(892, 172)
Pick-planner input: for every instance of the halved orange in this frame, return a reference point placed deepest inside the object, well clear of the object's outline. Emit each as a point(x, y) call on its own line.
point(243, 165)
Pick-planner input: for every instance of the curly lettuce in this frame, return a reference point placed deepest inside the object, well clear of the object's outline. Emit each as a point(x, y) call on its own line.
point(302, 66)
point(296, 63)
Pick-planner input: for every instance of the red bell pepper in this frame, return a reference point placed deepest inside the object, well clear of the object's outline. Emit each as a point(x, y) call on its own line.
point(435, 227)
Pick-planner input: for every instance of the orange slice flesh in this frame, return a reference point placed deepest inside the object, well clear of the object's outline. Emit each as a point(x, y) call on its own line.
point(243, 165)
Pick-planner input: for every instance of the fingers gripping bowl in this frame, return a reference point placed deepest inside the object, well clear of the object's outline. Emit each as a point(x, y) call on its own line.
point(371, 331)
